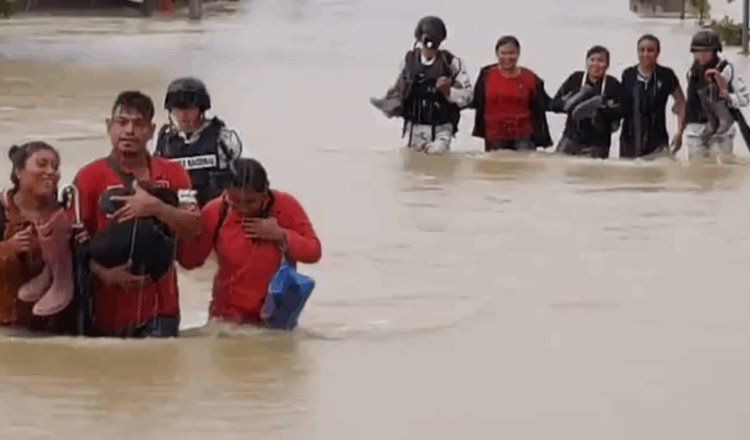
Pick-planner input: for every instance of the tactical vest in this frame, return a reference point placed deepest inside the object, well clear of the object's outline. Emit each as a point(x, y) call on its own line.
point(200, 158)
point(694, 111)
point(423, 104)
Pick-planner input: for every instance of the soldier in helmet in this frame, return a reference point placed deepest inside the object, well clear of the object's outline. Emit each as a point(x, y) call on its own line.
point(432, 88)
point(715, 92)
point(203, 146)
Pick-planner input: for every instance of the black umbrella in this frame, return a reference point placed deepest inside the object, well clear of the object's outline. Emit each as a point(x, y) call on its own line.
point(81, 270)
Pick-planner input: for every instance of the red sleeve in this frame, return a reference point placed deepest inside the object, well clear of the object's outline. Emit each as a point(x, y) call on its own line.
point(192, 254)
point(178, 177)
point(302, 242)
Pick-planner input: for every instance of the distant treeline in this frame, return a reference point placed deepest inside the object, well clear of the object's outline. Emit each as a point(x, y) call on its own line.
point(11, 7)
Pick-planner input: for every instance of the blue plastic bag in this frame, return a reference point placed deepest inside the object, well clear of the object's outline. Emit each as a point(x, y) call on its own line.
point(286, 297)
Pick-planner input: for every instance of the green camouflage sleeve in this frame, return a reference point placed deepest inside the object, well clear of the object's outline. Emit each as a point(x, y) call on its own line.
point(462, 90)
point(232, 142)
point(739, 95)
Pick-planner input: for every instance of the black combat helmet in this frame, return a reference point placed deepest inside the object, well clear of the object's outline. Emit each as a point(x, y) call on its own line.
point(430, 31)
point(705, 40)
point(187, 92)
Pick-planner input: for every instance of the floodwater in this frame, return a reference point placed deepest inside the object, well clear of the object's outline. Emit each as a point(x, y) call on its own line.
point(468, 296)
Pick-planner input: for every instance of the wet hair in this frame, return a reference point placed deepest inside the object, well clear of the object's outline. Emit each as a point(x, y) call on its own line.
point(249, 175)
point(20, 154)
point(598, 50)
point(507, 39)
point(134, 100)
point(652, 38)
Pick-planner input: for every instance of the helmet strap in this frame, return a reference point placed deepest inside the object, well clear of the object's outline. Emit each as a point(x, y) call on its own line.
point(171, 121)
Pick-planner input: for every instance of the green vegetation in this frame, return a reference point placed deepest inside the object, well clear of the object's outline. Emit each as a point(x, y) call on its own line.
point(10, 7)
point(6, 8)
point(729, 31)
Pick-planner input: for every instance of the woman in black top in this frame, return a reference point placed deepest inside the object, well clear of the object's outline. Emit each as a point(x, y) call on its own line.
point(646, 88)
point(591, 99)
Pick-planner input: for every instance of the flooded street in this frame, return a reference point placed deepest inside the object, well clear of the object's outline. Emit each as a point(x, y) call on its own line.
point(492, 296)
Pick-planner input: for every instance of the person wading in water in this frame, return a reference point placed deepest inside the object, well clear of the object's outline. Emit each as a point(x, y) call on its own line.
point(251, 227)
point(204, 147)
point(128, 304)
point(510, 103)
point(715, 93)
point(646, 89)
point(591, 99)
point(432, 89)
point(36, 274)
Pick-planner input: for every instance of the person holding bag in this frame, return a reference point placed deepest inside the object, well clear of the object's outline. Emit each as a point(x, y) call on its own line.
point(36, 277)
point(134, 290)
point(258, 234)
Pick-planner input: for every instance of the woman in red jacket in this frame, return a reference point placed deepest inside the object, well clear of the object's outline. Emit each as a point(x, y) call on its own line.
point(510, 103)
point(247, 227)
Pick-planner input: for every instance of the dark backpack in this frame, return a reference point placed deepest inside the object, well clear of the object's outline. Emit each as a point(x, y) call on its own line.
point(147, 242)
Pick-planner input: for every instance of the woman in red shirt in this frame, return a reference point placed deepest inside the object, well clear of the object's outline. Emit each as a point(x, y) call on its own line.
point(510, 103)
point(247, 227)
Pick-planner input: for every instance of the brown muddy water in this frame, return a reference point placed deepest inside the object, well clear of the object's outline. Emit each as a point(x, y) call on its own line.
point(486, 296)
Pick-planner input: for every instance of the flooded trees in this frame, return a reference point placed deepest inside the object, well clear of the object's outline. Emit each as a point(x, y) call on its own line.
point(8, 8)
point(703, 7)
point(195, 9)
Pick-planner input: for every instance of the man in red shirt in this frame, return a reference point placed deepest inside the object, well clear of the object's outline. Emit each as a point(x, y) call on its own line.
point(125, 304)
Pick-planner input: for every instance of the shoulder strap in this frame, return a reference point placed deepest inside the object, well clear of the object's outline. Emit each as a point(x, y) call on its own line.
point(223, 212)
point(721, 66)
point(127, 179)
point(411, 55)
point(218, 126)
point(410, 60)
point(448, 58)
point(223, 148)
point(161, 141)
point(216, 122)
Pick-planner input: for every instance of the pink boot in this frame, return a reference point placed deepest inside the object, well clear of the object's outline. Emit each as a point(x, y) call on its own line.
point(54, 239)
point(35, 288)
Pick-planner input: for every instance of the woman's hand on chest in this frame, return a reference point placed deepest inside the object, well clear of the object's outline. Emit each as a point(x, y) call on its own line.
point(262, 229)
point(236, 249)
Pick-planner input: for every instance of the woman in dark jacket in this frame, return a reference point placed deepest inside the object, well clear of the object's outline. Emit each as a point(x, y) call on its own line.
point(510, 103)
point(591, 99)
point(646, 89)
